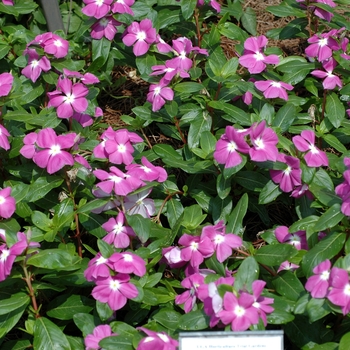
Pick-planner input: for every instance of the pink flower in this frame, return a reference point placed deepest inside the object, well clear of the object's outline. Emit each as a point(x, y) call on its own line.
point(195, 249)
point(104, 27)
point(147, 171)
point(317, 11)
point(239, 311)
point(35, 65)
point(213, 3)
point(300, 191)
point(172, 257)
point(51, 154)
point(318, 284)
point(340, 289)
point(162, 46)
point(127, 263)
point(343, 191)
point(68, 98)
point(156, 341)
point(96, 8)
point(330, 80)
point(189, 297)
point(264, 141)
point(118, 234)
point(158, 93)
point(98, 267)
point(223, 242)
point(139, 204)
point(7, 203)
point(114, 290)
point(8, 2)
point(296, 239)
point(100, 332)
point(273, 89)
point(123, 6)
point(6, 81)
point(322, 46)
point(288, 266)
point(142, 35)
point(253, 57)
point(53, 44)
point(170, 70)
point(182, 49)
point(87, 78)
point(85, 119)
point(226, 148)
point(261, 303)
point(290, 177)
point(306, 143)
point(4, 142)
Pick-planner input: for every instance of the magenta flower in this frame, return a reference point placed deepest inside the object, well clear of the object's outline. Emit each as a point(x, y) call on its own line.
point(287, 266)
point(127, 263)
point(8, 2)
point(223, 242)
point(239, 312)
point(296, 239)
point(7, 203)
point(195, 249)
point(189, 297)
point(317, 11)
point(51, 154)
point(253, 57)
point(172, 257)
point(147, 171)
point(162, 46)
point(104, 27)
point(213, 3)
point(35, 65)
point(87, 78)
point(261, 303)
point(226, 148)
point(182, 48)
point(306, 143)
point(340, 289)
point(117, 182)
point(158, 93)
point(98, 267)
point(273, 89)
point(85, 119)
point(96, 8)
point(68, 98)
point(53, 44)
point(318, 284)
point(264, 141)
point(6, 81)
point(290, 177)
point(114, 290)
point(302, 190)
point(123, 6)
point(139, 204)
point(141, 35)
point(4, 142)
point(118, 234)
point(30, 147)
point(330, 80)
point(343, 191)
point(170, 70)
point(156, 341)
point(322, 46)
point(100, 332)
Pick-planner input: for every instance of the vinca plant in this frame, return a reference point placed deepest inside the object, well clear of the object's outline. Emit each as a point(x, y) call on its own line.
point(219, 201)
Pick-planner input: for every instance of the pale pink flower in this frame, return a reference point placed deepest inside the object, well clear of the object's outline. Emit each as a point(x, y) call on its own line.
point(139, 204)
point(4, 142)
point(7, 203)
point(96, 8)
point(114, 290)
point(100, 332)
point(104, 27)
point(302, 190)
point(172, 257)
point(318, 284)
point(35, 65)
point(6, 81)
point(68, 98)
point(30, 147)
point(158, 93)
point(162, 46)
point(253, 57)
point(170, 70)
point(141, 35)
point(330, 80)
point(306, 143)
point(273, 89)
point(343, 191)
point(317, 11)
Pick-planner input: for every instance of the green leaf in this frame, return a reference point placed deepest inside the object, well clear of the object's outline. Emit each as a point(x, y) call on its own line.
point(223, 186)
point(94, 204)
point(49, 336)
point(329, 219)
point(235, 220)
point(327, 248)
point(284, 117)
point(68, 306)
point(55, 259)
point(40, 220)
point(251, 180)
point(295, 71)
point(269, 193)
point(247, 273)
point(174, 211)
point(317, 309)
point(279, 317)
point(187, 8)
point(201, 124)
point(344, 342)
point(188, 87)
point(42, 186)
point(9, 320)
point(92, 224)
point(193, 217)
point(335, 110)
point(232, 31)
point(168, 318)
point(233, 113)
point(140, 225)
point(16, 301)
point(119, 342)
point(288, 285)
point(213, 264)
point(85, 322)
point(194, 320)
point(207, 142)
point(284, 10)
point(275, 254)
point(248, 20)
point(303, 224)
point(144, 64)
point(101, 48)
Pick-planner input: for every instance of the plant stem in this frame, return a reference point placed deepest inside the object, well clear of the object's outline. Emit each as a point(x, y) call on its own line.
point(28, 279)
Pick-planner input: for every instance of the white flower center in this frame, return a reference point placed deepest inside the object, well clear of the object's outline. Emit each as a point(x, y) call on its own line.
point(34, 63)
point(163, 337)
point(256, 305)
point(347, 289)
point(121, 148)
point(146, 169)
point(276, 84)
point(219, 239)
point(313, 149)
point(4, 255)
point(157, 91)
point(2, 200)
point(99, 2)
point(69, 98)
point(54, 150)
point(118, 228)
point(58, 43)
point(115, 178)
point(148, 339)
point(231, 147)
point(239, 311)
point(259, 143)
point(323, 42)
point(324, 275)
point(288, 170)
point(114, 285)
point(128, 258)
point(101, 260)
point(104, 22)
point(194, 245)
point(169, 69)
point(182, 55)
point(259, 56)
point(141, 35)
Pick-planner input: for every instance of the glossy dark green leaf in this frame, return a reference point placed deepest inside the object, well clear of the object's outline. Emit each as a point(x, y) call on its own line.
point(16, 301)
point(187, 8)
point(51, 259)
point(275, 254)
point(269, 193)
point(168, 318)
point(284, 117)
point(335, 110)
point(194, 321)
point(140, 225)
point(235, 219)
point(247, 273)
point(85, 322)
point(330, 218)
point(288, 285)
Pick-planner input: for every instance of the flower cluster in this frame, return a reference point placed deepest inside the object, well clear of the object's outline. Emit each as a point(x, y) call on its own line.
point(343, 189)
point(312, 7)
